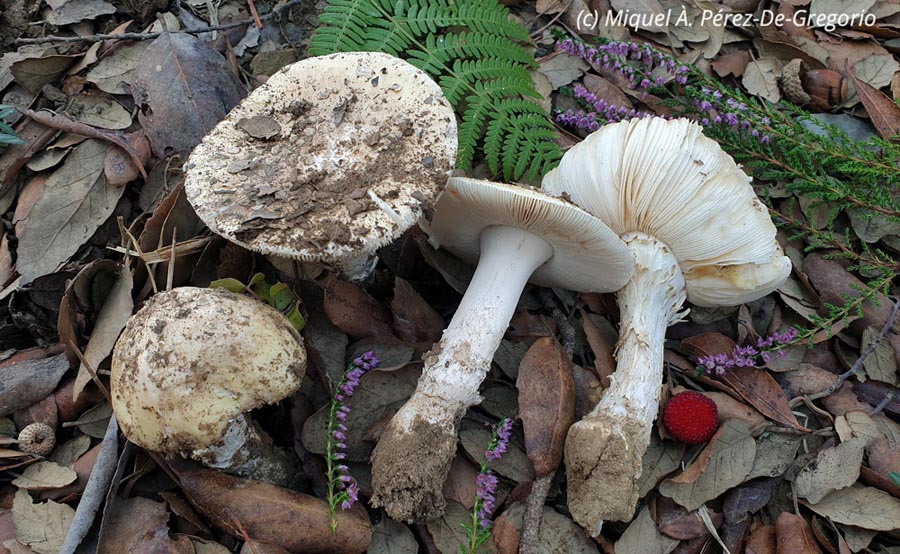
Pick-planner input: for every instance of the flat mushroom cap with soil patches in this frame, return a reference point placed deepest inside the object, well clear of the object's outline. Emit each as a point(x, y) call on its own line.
point(332, 158)
point(516, 235)
point(698, 231)
point(191, 363)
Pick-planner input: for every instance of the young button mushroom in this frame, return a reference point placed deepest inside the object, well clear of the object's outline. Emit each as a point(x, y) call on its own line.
point(697, 230)
point(515, 235)
point(332, 158)
point(191, 363)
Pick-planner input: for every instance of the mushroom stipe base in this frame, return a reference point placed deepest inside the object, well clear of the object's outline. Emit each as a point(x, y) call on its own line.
point(603, 461)
point(419, 460)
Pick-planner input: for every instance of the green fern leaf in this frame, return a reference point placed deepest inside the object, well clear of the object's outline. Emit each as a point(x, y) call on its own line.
point(472, 48)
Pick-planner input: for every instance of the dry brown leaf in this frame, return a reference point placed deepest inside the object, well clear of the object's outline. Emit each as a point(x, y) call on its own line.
point(761, 78)
point(119, 167)
point(650, 12)
point(514, 464)
point(864, 507)
point(27, 381)
point(353, 311)
point(98, 110)
point(460, 483)
point(642, 537)
point(881, 365)
point(391, 537)
point(179, 78)
point(884, 456)
point(75, 11)
point(724, 463)
point(674, 521)
point(761, 540)
point(774, 455)
point(293, 521)
point(558, 533)
point(114, 73)
point(76, 201)
point(794, 535)
point(134, 524)
point(43, 527)
point(857, 424)
point(82, 467)
point(660, 459)
point(731, 64)
point(43, 476)
point(414, 318)
point(448, 532)
point(601, 346)
point(759, 389)
point(833, 469)
point(546, 403)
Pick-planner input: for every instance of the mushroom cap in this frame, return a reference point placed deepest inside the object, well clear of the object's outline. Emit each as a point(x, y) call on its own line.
point(587, 255)
point(289, 171)
point(666, 179)
point(193, 359)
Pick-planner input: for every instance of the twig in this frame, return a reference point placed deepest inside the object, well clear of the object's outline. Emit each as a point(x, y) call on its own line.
point(858, 364)
point(540, 31)
point(240, 528)
point(255, 14)
point(534, 511)
point(883, 404)
point(63, 123)
point(150, 36)
point(90, 369)
point(566, 331)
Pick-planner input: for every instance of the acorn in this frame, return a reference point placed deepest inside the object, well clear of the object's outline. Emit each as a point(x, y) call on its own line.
point(38, 439)
point(822, 89)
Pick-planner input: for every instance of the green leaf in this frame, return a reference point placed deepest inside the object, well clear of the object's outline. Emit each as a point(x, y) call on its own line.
point(282, 296)
point(230, 284)
point(296, 318)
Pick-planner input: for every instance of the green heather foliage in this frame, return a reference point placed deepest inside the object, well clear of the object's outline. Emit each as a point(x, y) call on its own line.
point(7, 135)
point(474, 51)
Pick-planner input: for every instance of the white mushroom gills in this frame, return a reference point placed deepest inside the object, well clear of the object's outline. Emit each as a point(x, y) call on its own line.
point(521, 235)
point(698, 232)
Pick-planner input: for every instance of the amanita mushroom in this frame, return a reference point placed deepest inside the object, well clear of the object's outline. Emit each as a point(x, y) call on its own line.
point(332, 158)
point(191, 363)
point(515, 235)
point(697, 230)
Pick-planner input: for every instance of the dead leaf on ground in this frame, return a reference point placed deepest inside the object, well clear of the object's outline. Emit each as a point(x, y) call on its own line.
point(43, 476)
point(794, 535)
point(414, 319)
point(761, 78)
point(833, 469)
point(136, 525)
point(24, 383)
point(448, 532)
point(757, 387)
point(660, 459)
point(460, 483)
point(864, 507)
point(391, 537)
point(731, 64)
point(558, 533)
point(674, 521)
point(642, 537)
point(179, 78)
point(379, 395)
point(293, 521)
point(761, 540)
point(76, 201)
point(114, 73)
point(724, 463)
point(354, 311)
point(42, 526)
point(546, 403)
point(514, 464)
point(75, 11)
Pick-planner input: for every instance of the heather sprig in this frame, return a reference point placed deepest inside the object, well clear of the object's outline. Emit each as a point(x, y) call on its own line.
point(343, 491)
point(485, 488)
point(747, 356)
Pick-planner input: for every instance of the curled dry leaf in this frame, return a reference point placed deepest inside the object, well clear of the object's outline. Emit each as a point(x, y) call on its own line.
point(794, 535)
point(293, 521)
point(546, 403)
point(26, 382)
point(884, 112)
point(759, 389)
point(119, 167)
point(354, 311)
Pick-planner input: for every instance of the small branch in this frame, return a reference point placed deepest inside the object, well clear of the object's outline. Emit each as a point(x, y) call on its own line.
point(534, 511)
point(63, 123)
point(858, 365)
point(883, 404)
point(150, 36)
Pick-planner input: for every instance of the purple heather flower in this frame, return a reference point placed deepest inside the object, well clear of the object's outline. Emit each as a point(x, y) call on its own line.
point(746, 356)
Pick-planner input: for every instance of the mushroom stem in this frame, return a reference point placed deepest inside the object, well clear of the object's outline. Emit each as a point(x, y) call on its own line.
point(413, 455)
point(604, 450)
point(246, 450)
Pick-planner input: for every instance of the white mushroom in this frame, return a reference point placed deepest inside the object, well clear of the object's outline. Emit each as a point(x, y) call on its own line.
point(515, 235)
point(697, 230)
point(332, 158)
point(191, 363)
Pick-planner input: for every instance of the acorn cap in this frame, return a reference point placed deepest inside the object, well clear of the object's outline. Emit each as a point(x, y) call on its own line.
point(37, 438)
point(332, 158)
point(666, 179)
point(587, 255)
point(193, 359)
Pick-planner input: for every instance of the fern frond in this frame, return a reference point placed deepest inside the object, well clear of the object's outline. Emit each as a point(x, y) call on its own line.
point(472, 48)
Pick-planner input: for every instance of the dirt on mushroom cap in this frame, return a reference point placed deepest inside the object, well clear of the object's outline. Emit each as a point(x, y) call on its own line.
point(192, 359)
point(289, 171)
